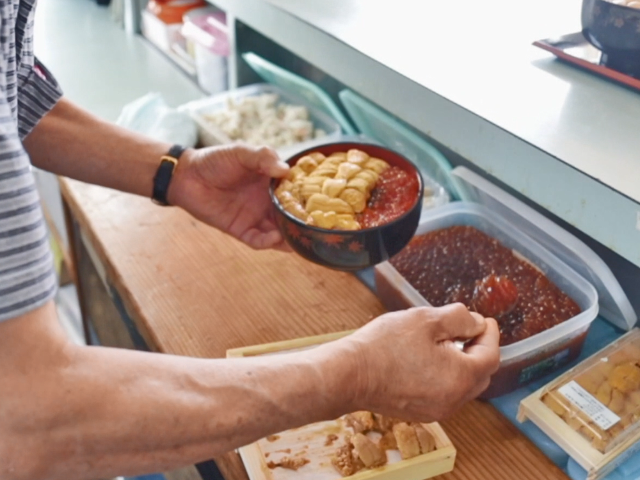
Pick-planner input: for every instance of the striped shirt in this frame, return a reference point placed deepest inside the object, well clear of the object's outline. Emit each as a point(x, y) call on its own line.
point(27, 93)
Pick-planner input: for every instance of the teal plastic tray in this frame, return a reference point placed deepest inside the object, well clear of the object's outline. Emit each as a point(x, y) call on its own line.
point(299, 86)
point(377, 124)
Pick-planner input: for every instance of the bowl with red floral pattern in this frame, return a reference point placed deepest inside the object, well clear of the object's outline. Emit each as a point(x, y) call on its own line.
point(348, 205)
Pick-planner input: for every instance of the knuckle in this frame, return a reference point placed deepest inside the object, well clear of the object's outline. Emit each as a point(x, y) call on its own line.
point(267, 152)
point(459, 308)
point(421, 315)
point(420, 311)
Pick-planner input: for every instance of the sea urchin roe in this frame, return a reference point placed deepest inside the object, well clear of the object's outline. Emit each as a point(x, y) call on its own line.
point(394, 194)
point(462, 264)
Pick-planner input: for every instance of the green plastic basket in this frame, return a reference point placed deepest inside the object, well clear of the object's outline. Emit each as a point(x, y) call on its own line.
point(299, 86)
point(377, 124)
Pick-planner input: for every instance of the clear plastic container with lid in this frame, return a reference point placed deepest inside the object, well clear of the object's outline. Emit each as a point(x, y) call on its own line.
point(206, 31)
point(601, 399)
point(378, 124)
point(562, 258)
point(301, 87)
point(593, 410)
point(211, 134)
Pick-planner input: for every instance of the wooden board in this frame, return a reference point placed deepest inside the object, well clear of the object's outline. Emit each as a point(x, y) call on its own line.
point(309, 441)
point(193, 291)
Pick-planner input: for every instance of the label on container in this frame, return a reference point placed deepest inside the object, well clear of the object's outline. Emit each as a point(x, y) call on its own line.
point(548, 364)
point(591, 406)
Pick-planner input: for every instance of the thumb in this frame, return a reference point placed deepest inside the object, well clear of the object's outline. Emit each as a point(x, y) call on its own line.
point(485, 350)
point(455, 322)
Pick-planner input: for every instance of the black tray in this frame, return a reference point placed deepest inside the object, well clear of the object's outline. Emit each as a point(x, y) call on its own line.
point(575, 49)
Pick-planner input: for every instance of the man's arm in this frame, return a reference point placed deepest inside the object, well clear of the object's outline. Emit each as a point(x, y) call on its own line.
point(71, 142)
point(72, 412)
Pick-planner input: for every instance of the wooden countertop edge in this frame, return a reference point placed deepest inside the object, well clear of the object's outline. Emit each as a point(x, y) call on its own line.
point(230, 464)
point(131, 306)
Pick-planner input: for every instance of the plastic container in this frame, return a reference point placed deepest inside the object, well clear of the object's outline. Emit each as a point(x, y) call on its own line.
point(609, 413)
point(172, 11)
point(614, 304)
point(566, 261)
point(527, 359)
point(379, 125)
point(593, 410)
point(162, 35)
point(210, 134)
point(205, 29)
point(301, 87)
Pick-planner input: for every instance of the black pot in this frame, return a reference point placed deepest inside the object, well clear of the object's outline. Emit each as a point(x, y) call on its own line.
point(351, 250)
point(614, 30)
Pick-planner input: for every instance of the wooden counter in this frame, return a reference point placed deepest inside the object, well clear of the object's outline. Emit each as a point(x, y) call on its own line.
point(177, 286)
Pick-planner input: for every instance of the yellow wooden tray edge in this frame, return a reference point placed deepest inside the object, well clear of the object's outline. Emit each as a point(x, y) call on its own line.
point(285, 345)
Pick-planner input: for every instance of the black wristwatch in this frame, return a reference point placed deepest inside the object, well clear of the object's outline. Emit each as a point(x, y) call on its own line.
point(162, 180)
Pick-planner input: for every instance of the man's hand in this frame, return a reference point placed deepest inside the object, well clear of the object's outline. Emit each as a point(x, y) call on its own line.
point(227, 187)
point(407, 365)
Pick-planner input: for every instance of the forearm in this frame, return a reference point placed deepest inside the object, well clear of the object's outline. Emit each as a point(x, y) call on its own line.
point(71, 142)
point(98, 412)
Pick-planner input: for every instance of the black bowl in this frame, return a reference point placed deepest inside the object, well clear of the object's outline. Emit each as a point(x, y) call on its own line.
point(614, 30)
point(351, 250)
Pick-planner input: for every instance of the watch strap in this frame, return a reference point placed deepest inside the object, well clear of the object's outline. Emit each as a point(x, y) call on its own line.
point(164, 174)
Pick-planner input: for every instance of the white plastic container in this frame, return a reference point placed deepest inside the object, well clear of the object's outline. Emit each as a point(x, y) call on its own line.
point(211, 135)
point(506, 219)
point(161, 34)
point(205, 29)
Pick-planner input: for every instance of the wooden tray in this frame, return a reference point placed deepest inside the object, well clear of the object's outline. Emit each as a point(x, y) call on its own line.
point(596, 463)
point(309, 440)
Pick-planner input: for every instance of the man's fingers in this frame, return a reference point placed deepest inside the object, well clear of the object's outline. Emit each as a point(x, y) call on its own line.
point(455, 322)
point(262, 160)
point(270, 164)
point(484, 351)
point(276, 242)
point(259, 240)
